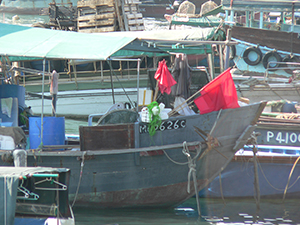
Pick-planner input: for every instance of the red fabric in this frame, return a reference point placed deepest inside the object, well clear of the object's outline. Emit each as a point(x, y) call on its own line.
point(218, 94)
point(164, 78)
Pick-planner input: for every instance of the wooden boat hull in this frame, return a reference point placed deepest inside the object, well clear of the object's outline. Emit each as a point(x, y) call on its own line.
point(275, 131)
point(124, 167)
point(268, 91)
point(274, 169)
point(274, 39)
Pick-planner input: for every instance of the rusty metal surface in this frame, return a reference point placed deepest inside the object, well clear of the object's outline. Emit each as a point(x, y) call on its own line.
point(106, 137)
point(272, 38)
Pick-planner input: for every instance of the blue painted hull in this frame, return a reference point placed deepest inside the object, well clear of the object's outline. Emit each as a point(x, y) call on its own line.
point(274, 168)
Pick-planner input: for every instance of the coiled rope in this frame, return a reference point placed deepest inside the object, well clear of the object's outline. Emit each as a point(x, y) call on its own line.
point(192, 172)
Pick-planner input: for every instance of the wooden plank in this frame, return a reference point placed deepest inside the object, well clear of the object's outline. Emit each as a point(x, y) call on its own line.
point(132, 2)
point(94, 3)
point(96, 17)
point(106, 22)
point(97, 11)
point(119, 16)
point(133, 8)
point(135, 22)
point(136, 28)
point(135, 16)
point(124, 15)
point(97, 30)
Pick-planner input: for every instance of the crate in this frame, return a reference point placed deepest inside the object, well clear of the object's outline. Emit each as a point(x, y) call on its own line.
point(96, 16)
point(108, 15)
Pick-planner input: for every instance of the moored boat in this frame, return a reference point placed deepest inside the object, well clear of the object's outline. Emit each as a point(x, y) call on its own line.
point(35, 195)
point(124, 162)
point(278, 174)
point(263, 43)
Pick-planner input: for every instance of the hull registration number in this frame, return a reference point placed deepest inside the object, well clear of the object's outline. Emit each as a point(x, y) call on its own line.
point(165, 125)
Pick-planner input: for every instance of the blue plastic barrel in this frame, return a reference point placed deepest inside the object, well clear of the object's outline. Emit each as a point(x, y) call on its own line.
point(53, 131)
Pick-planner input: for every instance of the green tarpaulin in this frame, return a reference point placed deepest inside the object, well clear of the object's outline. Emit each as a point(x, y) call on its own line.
point(21, 41)
point(39, 43)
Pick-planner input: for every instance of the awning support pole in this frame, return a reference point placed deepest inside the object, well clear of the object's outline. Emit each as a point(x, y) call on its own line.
point(42, 115)
point(138, 84)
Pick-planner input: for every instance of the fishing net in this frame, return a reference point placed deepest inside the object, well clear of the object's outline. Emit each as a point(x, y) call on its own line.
point(207, 6)
point(186, 8)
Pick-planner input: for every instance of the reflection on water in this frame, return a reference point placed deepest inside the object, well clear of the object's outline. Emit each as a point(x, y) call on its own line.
point(238, 211)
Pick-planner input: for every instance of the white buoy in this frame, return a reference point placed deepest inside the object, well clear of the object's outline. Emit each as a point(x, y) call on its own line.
point(15, 18)
point(20, 158)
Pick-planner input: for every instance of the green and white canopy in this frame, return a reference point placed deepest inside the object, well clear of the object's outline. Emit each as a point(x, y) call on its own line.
point(28, 43)
point(21, 41)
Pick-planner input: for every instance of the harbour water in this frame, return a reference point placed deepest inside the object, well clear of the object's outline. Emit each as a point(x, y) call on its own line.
point(213, 211)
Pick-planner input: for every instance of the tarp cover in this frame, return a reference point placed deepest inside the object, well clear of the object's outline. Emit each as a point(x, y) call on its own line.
point(25, 41)
point(262, 5)
point(9, 181)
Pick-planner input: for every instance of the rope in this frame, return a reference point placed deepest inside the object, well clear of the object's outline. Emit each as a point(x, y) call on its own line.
point(5, 203)
point(192, 172)
point(80, 176)
point(192, 169)
point(290, 177)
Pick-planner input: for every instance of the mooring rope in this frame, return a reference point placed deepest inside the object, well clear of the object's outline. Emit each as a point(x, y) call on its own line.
point(290, 178)
point(192, 169)
point(80, 176)
point(192, 172)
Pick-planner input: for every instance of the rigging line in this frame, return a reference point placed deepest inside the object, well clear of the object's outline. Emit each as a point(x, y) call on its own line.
point(292, 170)
point(80, 176)
point(111, 69)
point(264, 175)
point(221, 188)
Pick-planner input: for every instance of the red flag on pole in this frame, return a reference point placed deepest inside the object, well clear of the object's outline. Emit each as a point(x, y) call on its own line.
point(164, 78)
point(218, 94)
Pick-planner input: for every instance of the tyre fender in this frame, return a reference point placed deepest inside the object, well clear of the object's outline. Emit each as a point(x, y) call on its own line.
point(290, 58)
point(268, 57)
point(247, 59)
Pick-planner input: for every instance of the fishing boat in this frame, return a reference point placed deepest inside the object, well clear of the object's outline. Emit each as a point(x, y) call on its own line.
point(278, 174)
point(277, 128)
point(124, 161)
point(262, 42)
point(277, 153)
point(35, 195)
point(187, 14)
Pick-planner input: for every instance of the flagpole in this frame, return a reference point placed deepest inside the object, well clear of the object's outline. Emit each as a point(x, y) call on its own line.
point(175, 109)
point(156, 91)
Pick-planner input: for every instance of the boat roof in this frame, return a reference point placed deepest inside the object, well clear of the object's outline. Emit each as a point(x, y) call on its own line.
point(23, 41)
point(9, 181)
point(31, 43)
point(8, 171)
point(262, 5)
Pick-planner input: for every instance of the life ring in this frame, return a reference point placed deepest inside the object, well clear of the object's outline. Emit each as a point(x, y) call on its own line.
point(290, 58)
point(252, 56)
point(271, 56)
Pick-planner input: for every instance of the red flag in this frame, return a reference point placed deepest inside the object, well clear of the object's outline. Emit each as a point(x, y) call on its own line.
point(218, 94)
point(164, 78)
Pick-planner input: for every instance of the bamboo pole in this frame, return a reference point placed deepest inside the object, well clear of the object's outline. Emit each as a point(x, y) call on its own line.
point(175, 109)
